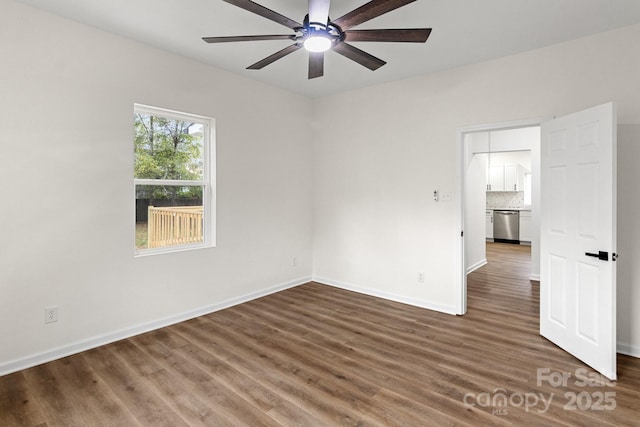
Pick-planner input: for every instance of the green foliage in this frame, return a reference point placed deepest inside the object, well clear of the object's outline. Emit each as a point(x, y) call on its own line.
point(167, 149)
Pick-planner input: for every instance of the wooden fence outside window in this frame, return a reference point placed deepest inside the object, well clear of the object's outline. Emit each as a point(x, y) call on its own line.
point(174, 225)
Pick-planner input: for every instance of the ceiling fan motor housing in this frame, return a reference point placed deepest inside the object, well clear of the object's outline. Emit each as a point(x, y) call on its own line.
point(320, 32)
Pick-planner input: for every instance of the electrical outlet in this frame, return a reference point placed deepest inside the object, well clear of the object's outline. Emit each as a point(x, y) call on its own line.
point(421, 276)
point(51, 314)
point(294, 261)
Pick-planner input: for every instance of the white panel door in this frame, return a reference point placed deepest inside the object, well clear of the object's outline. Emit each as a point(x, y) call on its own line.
point(577, 228)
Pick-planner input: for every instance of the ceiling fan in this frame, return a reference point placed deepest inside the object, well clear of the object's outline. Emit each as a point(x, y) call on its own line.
point(318, 33)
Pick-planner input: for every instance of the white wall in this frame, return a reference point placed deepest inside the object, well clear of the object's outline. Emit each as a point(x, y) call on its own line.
point(66, 114)
point(475, 203)
point(392, 145)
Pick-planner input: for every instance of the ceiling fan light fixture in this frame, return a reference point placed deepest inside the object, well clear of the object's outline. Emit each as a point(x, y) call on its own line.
point(317, 43)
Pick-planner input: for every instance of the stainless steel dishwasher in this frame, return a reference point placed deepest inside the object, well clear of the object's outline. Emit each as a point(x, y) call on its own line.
point(506, 226)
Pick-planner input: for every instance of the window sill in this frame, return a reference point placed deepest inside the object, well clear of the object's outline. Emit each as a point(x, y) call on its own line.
point(139, 253)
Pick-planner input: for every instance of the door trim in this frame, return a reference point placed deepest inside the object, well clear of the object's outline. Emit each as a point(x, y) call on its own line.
point(461, 273)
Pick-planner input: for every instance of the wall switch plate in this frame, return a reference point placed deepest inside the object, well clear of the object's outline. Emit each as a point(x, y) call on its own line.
point(51, 314)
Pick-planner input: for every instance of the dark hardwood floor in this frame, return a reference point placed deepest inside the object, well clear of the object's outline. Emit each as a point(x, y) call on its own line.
point(319, 356)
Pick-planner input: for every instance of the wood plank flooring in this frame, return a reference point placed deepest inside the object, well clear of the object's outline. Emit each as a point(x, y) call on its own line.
point(319, 356)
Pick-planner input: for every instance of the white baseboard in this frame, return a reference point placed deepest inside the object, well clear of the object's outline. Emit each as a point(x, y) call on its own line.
point(629, 350)
point(87, 344)
point(392, 297)
point(476, 266)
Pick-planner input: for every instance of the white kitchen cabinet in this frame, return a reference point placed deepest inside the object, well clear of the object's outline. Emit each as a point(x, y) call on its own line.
point(496, 178)
point(514, 177)
point(489, 224)
point(525, 226)
point(506, 177)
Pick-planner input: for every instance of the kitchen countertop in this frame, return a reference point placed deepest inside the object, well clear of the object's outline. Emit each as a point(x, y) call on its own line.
point(508, 209)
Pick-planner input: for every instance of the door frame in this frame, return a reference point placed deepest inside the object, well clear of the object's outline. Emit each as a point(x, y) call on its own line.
point(461, 146)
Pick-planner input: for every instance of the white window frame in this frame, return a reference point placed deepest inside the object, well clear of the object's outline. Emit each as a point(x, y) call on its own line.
point(207, 182)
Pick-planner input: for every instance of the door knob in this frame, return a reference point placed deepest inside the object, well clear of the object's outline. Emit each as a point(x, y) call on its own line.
point(602, 256)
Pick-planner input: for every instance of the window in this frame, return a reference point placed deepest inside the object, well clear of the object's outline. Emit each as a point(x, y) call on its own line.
point(173, 164)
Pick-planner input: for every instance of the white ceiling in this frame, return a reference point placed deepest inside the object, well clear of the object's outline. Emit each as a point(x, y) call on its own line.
point(464, 32)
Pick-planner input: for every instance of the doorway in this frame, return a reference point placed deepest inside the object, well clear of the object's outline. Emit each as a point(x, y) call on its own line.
point(508, 137)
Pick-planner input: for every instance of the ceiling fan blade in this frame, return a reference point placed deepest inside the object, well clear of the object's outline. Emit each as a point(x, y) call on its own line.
point(319, 11)
point(359, 56)
point(369, 11)
point(409, 35)
point(273, 58)
point(265, 13)
point(247, 38)
point(316, 64)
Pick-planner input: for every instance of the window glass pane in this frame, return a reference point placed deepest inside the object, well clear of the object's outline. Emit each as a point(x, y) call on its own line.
point(168, 148)
point(168, 215)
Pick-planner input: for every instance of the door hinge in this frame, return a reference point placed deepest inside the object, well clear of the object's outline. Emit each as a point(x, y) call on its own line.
point(462, 233)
